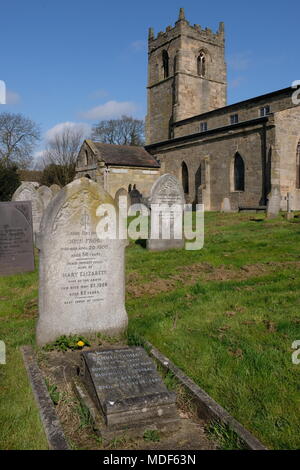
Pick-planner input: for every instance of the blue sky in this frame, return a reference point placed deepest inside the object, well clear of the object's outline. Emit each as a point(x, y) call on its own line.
point(80, 61)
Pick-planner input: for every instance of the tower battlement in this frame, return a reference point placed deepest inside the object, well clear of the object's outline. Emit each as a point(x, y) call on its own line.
point(182, 26)
point(186, 75)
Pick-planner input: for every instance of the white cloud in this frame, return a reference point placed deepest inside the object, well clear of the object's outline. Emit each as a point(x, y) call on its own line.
point(138, 45)
point(12, 97)
point(76, 126)
point(110, 109)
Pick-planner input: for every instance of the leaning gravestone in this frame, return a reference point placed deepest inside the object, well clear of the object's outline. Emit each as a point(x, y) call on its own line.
point(165, 193)
point(273, 205)
point(27, 192)
point(46, 195)
point(127, 389)
point(82, 283)
point(16, 238)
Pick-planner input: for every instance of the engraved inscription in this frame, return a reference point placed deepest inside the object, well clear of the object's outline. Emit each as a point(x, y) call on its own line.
point(16, 238)
point(84, 277)
point(119, 375)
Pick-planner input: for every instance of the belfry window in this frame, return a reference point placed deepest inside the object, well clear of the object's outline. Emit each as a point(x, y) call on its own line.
point(239, 173)
point(201, 64)
point(165, 60)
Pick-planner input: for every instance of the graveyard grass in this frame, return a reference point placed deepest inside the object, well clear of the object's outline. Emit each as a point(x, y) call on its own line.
point(227, 315)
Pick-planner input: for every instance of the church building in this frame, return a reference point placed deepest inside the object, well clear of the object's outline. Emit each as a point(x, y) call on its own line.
point(240, 151)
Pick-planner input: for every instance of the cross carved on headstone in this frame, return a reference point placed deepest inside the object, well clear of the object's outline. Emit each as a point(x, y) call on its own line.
point(85, 219)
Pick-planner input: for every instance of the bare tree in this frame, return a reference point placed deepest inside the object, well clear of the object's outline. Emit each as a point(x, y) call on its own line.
point(61, 153)
point(18, 137)
point(123, 131)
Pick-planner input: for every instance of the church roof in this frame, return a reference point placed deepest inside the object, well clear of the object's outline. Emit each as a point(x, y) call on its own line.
point(123, 155)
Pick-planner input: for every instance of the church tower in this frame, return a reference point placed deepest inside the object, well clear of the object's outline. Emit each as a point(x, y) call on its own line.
point(186, 76)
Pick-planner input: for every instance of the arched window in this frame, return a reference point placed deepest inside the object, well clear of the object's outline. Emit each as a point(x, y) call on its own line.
point(201, 64)
point(239, 173)
point(298, 166)
point(165, 59)
point(87, 176)
point(185, 178)
point(86, 158)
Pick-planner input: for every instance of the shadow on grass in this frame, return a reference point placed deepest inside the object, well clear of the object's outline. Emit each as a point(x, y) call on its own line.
point(141, 242)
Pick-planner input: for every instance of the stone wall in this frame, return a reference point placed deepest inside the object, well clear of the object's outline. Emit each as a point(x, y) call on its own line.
point(217, 150)
point(142, 178)
point(246, 110)
point(287, 136)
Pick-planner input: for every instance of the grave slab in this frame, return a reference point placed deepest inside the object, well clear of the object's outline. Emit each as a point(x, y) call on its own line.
point(126, 388)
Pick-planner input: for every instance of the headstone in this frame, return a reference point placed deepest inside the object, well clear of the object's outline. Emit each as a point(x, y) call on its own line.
point(16, 238)
point(81, 286)
point(46, 195)
point(165, 191)
point(127, 389)
point(226, 207)
point(135, 196)
point(136, 200)
point(27, 192)
point(273, 205)
point(55, 189)
point(122, 193)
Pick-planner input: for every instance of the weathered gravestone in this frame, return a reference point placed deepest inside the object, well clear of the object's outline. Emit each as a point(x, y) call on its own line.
point(226, 207)
point(16, 238)
point(165, 193)
point(81, 277)
point(127, 389)
point(123, 194)
point(46, 195)
point(27, 192)
point(274, 201)
point(135, 201)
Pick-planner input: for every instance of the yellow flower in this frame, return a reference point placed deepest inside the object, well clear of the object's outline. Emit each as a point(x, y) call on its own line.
point(80, 344)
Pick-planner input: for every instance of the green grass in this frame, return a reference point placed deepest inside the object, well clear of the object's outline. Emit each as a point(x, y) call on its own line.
point(20, 425)
point(232, 335)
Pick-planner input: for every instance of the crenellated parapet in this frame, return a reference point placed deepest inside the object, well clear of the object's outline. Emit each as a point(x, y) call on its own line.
point(182, 26)
point(186, 75)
